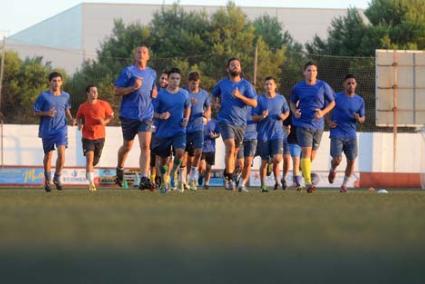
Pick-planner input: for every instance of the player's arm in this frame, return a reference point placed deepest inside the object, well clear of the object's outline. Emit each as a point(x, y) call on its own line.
point(284, 115)
point(360, 116)
point(50, 113)
point(72, 120)
point(123, 91)
point(329, 121)
point(248, 101)
point(186, 115)
point(322, 112)
point(207, 113)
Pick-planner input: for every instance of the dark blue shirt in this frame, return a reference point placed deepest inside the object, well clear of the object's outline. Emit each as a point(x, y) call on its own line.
point(209, 143)
point(199, 101)
point(343, 115)
point(271, 127)
point(233, 111)
point(138, 104)
point(175, 104)
point(50, 126)
point(309, 98)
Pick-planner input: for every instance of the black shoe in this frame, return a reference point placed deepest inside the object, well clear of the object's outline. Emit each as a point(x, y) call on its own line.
point(158, 181)
point(145, 183)
point(284, 185)
point(119, 178)
point(206, 187)
point(276, 186)
point(58, 183)
point(47, 187)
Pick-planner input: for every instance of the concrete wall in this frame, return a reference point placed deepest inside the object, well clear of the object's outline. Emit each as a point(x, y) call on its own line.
point(22, 147)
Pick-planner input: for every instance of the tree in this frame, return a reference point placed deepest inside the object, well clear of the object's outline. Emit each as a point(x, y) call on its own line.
point(23, 81)
point(395, 24)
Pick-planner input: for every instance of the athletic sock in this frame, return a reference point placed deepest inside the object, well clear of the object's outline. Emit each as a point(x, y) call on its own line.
point(346, 179)
point(306, 169)
point(48, 177)
point(90, 177)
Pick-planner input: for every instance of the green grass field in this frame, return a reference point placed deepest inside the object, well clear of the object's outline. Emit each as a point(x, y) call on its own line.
point(211, 237)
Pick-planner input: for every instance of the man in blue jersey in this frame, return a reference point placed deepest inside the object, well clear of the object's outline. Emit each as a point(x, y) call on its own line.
point(349, 110)
point(172, 110)
point(294, 152)
point(53, 106)
point(272, 109)
point(200, 109)
point(136, 86)
point(247, 151)
point(235, 95)
point(154, 160)
point(211, 133)
point(311, 100)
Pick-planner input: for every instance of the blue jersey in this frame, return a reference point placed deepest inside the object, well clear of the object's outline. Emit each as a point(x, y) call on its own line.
point(209, 143)
point(199, 102)
point(138, 104)
point(175, 104)
point(343, 115)
point(309, 98)
point(271, 127)
point(251, 127)
point(233, 111)
point(51, 126)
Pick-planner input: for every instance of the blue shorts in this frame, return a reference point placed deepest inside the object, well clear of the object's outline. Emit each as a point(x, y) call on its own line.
point(346, 145)
point(295, 150)
point(228, 131)
point(130, 127)
point(268, 148)
point(285, 147)
point(309, 137)
point(194, 140)
point(163, 147)
point(247, 149)
point(49, 143)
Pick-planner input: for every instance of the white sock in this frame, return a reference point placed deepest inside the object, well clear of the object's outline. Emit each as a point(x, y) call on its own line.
point(90, 177)
point(182, 176)
point(346, 179)
point(194, 172)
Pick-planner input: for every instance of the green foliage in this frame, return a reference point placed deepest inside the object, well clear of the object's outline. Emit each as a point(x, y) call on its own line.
point(392, 24)
point(22, 83)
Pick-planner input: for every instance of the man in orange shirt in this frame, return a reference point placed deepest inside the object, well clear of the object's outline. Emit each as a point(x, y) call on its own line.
point(92, 117)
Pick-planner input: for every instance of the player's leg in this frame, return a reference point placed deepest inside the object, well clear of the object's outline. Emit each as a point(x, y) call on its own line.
point(198, 142)
point(179, 146)
point(295, 151)
point(276, 150)
point(129, 131)
point(145, 135)
point(249, 151)
point(60, 162)
point(162, 150)
point(88, 151)
point(286, 163)
point(336, 154)
point(240, 164)
point(350, 150)
point(305, 139)
point(48, 148)
point(210, 162)
point(264, 150)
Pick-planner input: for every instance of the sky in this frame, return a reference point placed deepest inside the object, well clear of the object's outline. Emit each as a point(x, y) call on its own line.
point(16, 15)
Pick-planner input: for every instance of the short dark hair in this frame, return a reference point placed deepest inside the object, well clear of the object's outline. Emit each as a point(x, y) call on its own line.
point(89, 87)
point(174, 70)
point(165, 71)
point(232, 59)
point(270, 78)
point(194, 76)
point(350, 76)
point(54, 75)
point(310, 63)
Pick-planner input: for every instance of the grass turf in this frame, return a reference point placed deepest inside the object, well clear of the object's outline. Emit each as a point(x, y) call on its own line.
point(211, 237)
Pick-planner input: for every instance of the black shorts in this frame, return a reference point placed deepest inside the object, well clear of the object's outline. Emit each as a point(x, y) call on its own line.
point(93, 145)
point(209, 158)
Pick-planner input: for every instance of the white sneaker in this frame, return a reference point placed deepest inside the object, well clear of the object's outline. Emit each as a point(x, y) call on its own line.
point(243, 188)
point(92, 187)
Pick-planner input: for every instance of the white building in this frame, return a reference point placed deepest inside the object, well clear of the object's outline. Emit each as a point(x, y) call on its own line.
point(74, 35)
